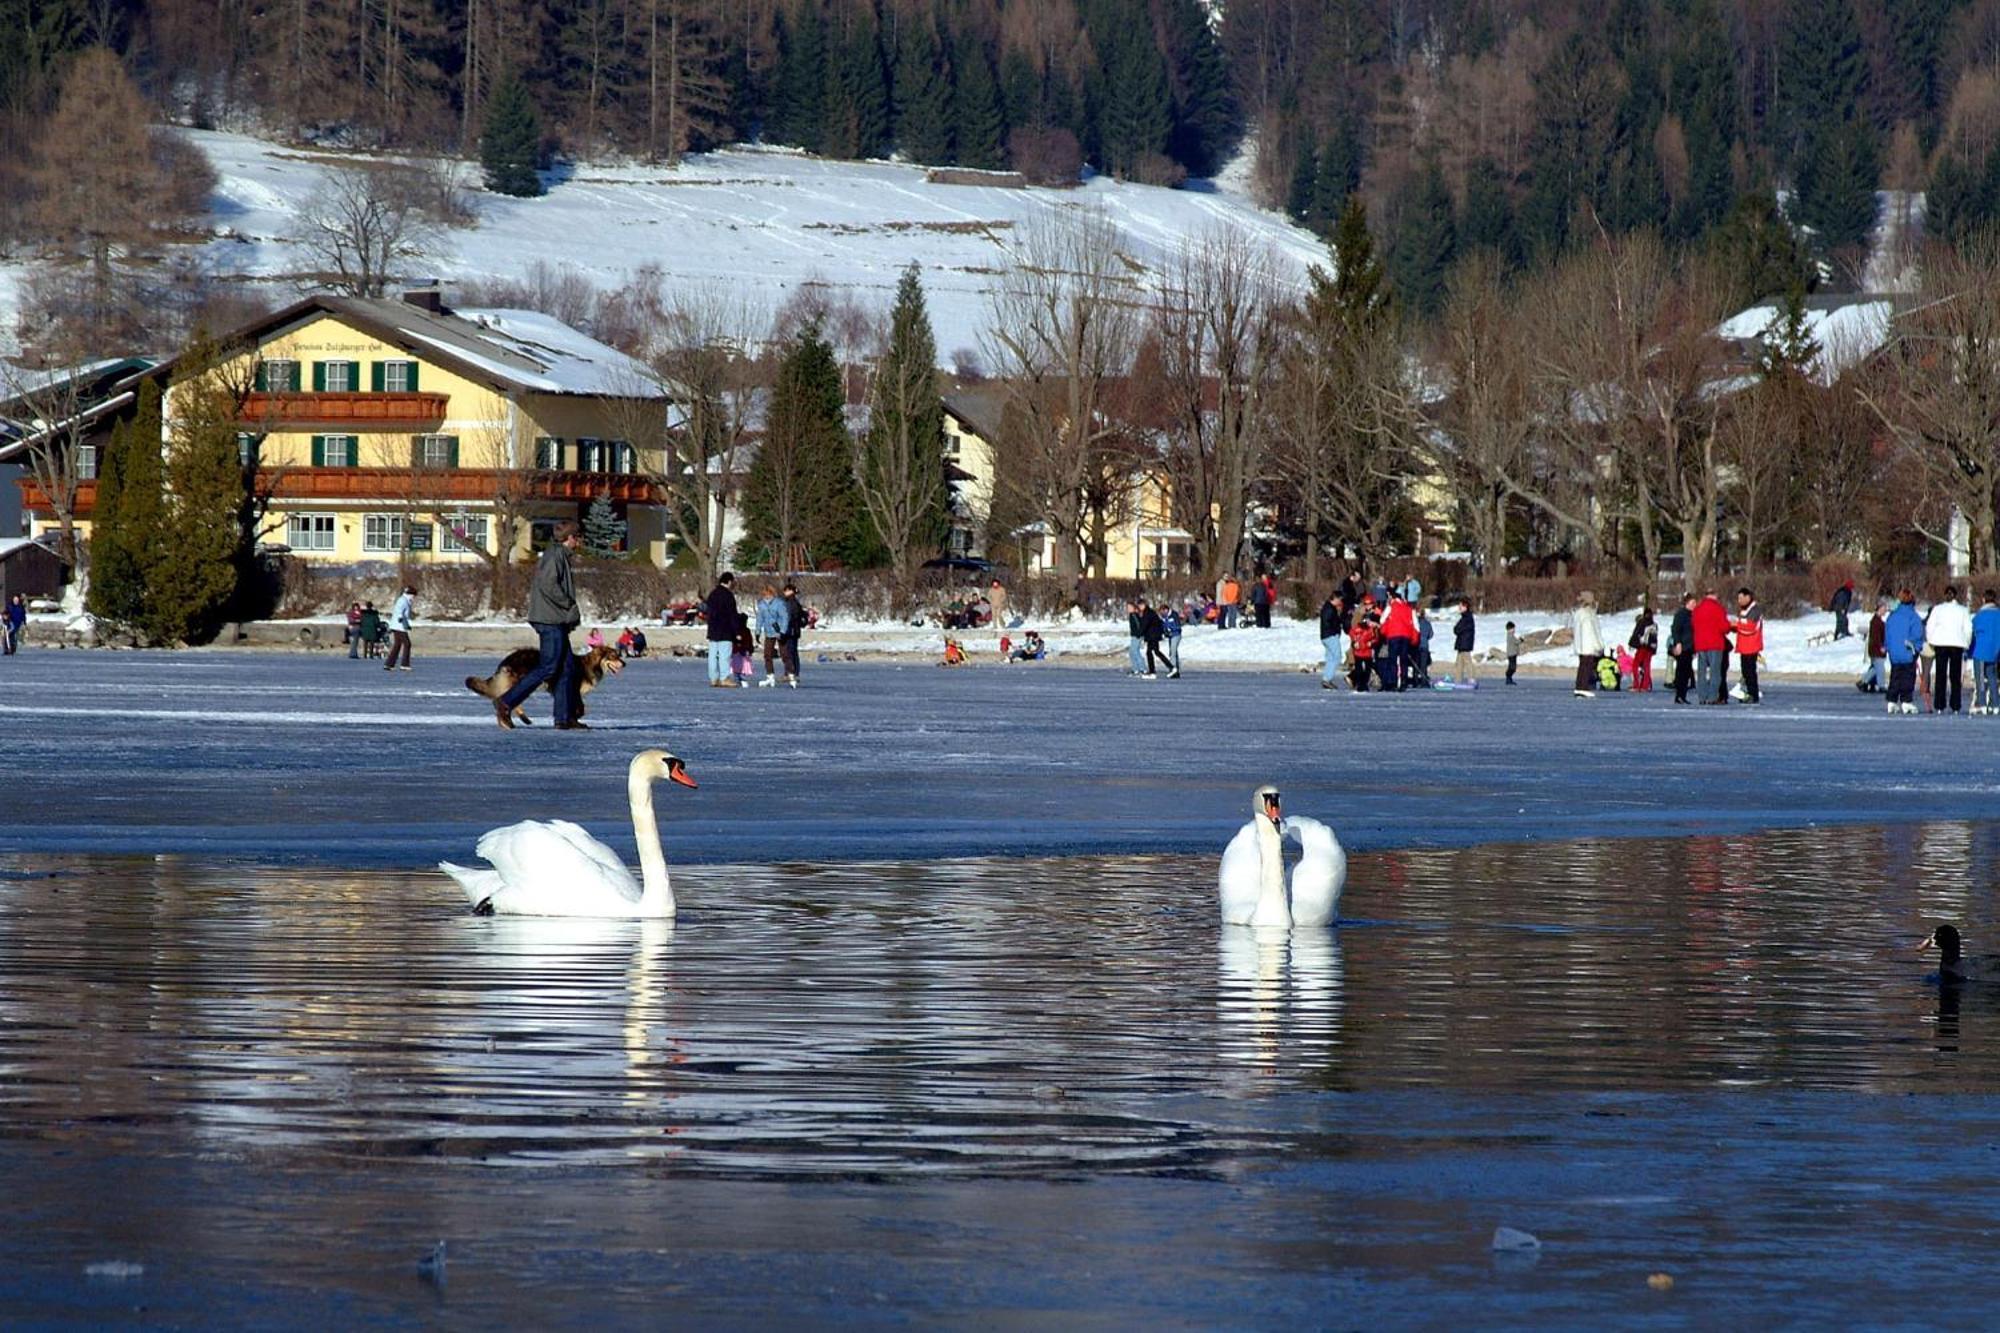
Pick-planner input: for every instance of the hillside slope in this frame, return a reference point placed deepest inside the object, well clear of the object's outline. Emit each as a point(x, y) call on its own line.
point(762, 221)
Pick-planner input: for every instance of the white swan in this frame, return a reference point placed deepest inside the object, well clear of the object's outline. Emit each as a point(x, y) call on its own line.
point(1252, 879)
point(554, 868)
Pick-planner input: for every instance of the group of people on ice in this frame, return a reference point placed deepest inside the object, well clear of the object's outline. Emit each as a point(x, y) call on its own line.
point(1698, 645)
point(1924, 654)
point(1383, 635)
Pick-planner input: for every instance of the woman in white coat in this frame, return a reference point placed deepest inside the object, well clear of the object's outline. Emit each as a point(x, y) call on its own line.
point(1589, 640)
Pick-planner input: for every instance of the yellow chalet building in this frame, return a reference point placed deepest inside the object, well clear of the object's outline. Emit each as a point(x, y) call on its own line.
point(397, 429)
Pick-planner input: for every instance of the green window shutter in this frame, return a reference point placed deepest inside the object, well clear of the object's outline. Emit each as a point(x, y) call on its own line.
point(319, 377)
point(413, 376)
point(375, 373)
point(416, 451)
point(319, 451)
point(354, 375)
point(263, 381)
point(454, 451)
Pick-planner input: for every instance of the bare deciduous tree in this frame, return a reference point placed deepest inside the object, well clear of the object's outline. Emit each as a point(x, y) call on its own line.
point(362, 222)
point(1063, 328)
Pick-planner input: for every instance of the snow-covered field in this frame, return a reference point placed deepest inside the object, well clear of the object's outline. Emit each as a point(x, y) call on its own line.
point(761, 222)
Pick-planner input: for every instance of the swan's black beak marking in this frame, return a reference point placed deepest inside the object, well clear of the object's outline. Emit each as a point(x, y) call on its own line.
point(678, 772)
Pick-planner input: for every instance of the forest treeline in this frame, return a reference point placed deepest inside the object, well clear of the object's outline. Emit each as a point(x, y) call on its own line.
point(1463, 124)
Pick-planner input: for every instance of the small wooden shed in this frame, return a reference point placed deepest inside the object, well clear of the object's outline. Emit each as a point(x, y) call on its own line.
point(28, 568)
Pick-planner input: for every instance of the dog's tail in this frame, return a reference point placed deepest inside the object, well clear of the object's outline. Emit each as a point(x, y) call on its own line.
point(481, 685)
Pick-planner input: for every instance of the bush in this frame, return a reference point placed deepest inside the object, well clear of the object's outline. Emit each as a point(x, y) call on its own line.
point(1045, 157)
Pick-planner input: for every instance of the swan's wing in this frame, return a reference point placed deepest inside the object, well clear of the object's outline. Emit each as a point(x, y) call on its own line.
point(478, 882)
point(1238, 878)
point(555, 854)
point(1320, 874)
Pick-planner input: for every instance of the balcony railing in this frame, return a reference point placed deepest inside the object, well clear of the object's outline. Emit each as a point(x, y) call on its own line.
point(403, 486)
point(348, 411)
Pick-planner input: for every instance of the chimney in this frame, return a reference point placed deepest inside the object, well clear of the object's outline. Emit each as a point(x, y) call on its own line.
point(426, 296)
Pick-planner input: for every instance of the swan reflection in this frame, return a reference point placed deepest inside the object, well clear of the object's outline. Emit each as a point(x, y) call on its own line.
point(1279, 995)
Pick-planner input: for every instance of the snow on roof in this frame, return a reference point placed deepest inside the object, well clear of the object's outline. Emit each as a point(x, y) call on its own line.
point(9, 545)
point(524, 348)
point(1848, 331)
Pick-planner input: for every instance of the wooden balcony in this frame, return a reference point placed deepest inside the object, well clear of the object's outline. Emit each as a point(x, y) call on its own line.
point(360, 486)
point(355, 412)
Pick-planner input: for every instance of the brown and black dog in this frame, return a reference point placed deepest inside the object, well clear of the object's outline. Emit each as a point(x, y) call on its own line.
point(591, 667)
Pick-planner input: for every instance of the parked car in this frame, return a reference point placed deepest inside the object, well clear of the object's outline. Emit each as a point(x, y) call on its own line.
point(966, 564)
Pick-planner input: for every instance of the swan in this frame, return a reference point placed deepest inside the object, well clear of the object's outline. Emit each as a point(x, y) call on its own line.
point(1252, 879)
point(554, 868)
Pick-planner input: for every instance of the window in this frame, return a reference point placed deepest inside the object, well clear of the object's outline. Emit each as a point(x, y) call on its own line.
point(382, 532)
point(335, 377)
point(590, 455)
point(342, 451)
point(246, 448)
point(548, 453)
point(86, 462)
point(466, 532)
point(395, 377)
point(278, 376)
point(622, 458)
point(436, 451)
point(309, 532)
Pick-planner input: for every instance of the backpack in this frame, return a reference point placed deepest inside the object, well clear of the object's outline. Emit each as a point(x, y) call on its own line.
point(1607, 674)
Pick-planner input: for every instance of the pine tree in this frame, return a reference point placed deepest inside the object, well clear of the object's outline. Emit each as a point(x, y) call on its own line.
point(1836, 185)
point(125, 525)
point(1356, 290)
point(1204, 110)
point(1788, 347)
point(857, 92)
point(192, 571)
point(801, 495)
point(603, 530)
point(1305, 174)
point(1825, 73)
point(798, 97)
point(1487, 222)
point(1704, 97)
point(1338, 176)
point(510, 146)
point(922, 94)
point(1577, 104)
point(1759, 252)
point(1137, 114)
point(1955, 206)
point(1426, 244)
point(980, 126)
point(899, 463)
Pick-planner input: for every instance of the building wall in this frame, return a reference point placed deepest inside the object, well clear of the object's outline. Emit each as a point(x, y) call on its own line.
point(971, 452)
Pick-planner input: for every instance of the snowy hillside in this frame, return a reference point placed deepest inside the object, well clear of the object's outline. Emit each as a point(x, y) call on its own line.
point(765, 220)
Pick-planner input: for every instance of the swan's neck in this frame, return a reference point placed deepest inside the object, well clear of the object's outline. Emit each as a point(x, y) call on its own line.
point(1273, 907)
point(658, 899)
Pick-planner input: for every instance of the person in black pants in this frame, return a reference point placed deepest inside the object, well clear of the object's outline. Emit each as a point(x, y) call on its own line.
point(1680, 647)
point(1153, 629)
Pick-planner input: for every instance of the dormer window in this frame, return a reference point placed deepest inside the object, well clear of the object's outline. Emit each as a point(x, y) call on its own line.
point(277, 375)
point(395, 377)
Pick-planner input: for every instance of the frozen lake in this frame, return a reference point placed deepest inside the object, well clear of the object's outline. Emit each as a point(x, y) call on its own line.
point(946, 1030)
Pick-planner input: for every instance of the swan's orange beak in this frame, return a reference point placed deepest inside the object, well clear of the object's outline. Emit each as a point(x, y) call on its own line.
point(1272, 810)
point(678, 772)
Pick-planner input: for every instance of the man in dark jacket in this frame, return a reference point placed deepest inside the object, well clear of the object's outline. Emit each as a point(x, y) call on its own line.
point(722, 617)
point(1842, 603)
point(795, 626)
point(1332, 626)
point(1463, 633)
point(552, 614)
point(1153, 629)
point(1680, 647)
point(1876, 678)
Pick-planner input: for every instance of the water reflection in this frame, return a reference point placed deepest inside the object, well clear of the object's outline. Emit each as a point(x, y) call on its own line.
point(1029, 1016)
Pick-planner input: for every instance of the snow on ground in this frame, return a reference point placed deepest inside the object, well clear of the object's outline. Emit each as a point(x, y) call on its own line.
point(759, 221)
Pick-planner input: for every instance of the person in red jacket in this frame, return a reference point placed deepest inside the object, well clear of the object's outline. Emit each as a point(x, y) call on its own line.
point(1399, 637)
point(1711, 648)
point(1748, 624)
point(1361, 641)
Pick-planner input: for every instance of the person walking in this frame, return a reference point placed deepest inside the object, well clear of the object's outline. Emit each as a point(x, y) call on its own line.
point(1228, 596)
point(1463, 634)
point(1421, 659)
point(1263, 591)
point(1397, 655)
point(1711, 649)
point(1513, 649)
point(1588, 639)
point(371, 630)
point(1903, 637)
point(14, 624)
point(1152, 630)
point(353, 630)
point(1680, 647)
point(1948, 630)
point(552, 614)
point(1172, 620)
point(1364, 636)
point(722, 615)
point(1876, 678)
point(771, 618)
point(1135, 642)
point(1841, 603)
point(1330, 630)
point(996, 601)
point(1748, 626)
point(399, 629)
point(1985, 655)
point(1644, 643)
point(795, 628)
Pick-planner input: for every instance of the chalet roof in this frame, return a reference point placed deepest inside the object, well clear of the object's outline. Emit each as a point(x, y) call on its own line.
point(101, 388)
point(1848, 328)
point(979, 408)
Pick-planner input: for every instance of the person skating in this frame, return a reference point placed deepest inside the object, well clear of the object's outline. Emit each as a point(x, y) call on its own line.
point(1903, 635)
point(1588, 640)
point(371, 630)
point(1513, 647)
point(399, 629)
point(353, 630)
point(722, 615)
point(1331, 627)
point(1876, 678)
point(1841, 603)
point(1644, 643)
point(1985, 656)
point(1363, 638)
point(1748, 626)
point(552, 614)
point(795, 628)
point(1135, 639)
point(15, 623)
point(771, 617)
point(1711, 649)
point(1263, 592)
point(1680, 647)
point(1463, 634)
point(1152, 630)
point(1396, 659)
point(1172, 620)
point(1948, 630)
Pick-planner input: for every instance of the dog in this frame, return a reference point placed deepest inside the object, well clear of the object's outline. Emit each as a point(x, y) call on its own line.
point(591, 668)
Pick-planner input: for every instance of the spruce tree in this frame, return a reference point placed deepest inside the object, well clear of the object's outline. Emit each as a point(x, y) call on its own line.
point(857, 92)
point(1204, 110)
point(1954, 207)
point(125, 525)
point(1825, 73)
point(980, 126)
point(603, 530)
point(1338, 176)
point(510, 145)
point(1426, 244)
point(192, 571)
point(899, 463)
point(1836, 185)
point(1759, 252)
point(801, 493)
point(1356, 290)
point(1137, 114)
point(798, 97)
point(1487, 222)
point(922, 95)
point(1305, 173)
point(1788, 348)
